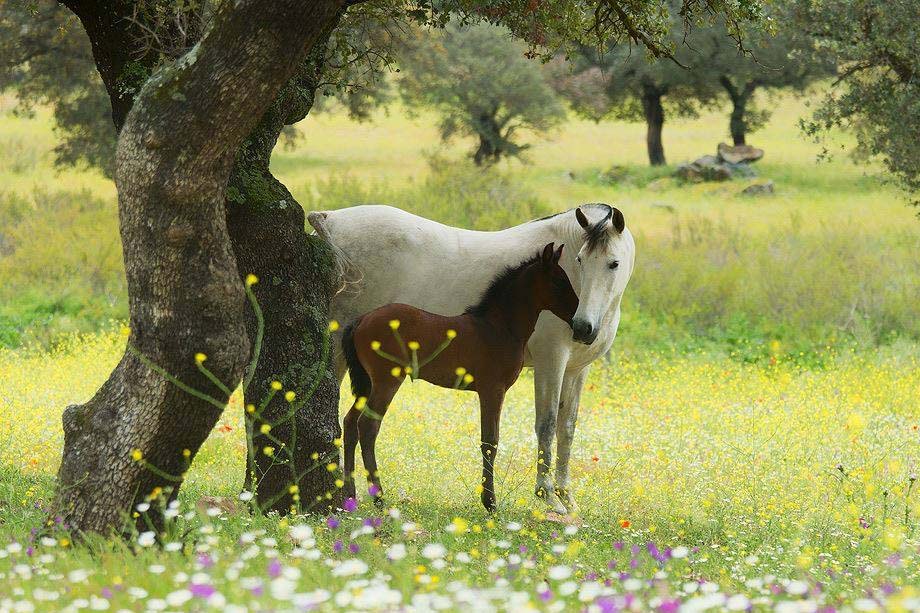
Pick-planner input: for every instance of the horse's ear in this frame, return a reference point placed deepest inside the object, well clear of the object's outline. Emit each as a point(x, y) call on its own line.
point(547, 257)
point(618, 221)
point(558, 254)
point(582, 220)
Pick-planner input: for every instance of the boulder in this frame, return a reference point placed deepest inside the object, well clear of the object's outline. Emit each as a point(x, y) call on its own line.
point(739, 154)
point(758, 189)
point(706, 168)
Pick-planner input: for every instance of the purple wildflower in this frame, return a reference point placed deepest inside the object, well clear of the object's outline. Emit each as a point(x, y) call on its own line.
point(106, 593)
point(350, 505)
point(353, 547)
point(546, 595)
point(332, 522)
point(669, 606)
point(205, 560)
point(337, 546)
point(607, 604)
point(374, 489)
point(201, 590)
point(274, 568)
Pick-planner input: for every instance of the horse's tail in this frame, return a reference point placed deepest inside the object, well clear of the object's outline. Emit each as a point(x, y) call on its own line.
point(360, 380)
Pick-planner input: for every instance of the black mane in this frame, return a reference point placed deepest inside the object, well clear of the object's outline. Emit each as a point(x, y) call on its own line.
point(499, 287)
point(596, 234)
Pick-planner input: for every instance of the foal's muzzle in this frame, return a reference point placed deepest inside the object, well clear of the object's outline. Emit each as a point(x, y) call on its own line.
point(583, 331)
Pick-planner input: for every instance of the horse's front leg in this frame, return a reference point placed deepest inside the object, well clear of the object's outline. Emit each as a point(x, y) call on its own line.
point(490, 411)
point(572, 384)
point(547, 378)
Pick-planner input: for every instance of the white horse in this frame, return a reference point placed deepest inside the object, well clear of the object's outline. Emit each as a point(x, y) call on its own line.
point(388, 255)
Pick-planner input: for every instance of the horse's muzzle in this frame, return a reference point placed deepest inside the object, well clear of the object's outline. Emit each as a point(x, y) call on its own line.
point(583, 331)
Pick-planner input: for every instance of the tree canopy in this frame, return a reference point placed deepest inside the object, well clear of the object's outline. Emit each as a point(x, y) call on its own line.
point(786, 59)
point(876, 43)
point(480, 82)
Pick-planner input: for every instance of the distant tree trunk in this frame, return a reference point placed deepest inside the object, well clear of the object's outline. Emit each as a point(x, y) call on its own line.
point(737, 124)
point(489, 150)
point(266, 227)
point(654, 121)
point(175, 154)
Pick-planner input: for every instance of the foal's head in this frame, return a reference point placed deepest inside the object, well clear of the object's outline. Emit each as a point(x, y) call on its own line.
point(551, 286)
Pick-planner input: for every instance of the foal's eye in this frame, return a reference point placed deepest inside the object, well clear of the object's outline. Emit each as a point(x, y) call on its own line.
point(578, 259)
point(614, 265)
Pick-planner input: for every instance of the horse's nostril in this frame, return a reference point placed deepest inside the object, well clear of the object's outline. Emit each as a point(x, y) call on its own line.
point(581, 329)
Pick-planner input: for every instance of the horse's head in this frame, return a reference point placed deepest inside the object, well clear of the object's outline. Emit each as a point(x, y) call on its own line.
point(554, 290)
point(604, 265)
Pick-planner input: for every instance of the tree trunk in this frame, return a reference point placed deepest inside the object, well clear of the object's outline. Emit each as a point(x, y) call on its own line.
point(266, 227)
point(175, 154)
point(654, 121)
point(737, 123)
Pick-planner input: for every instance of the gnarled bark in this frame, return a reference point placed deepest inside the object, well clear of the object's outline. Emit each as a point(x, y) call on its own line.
point(266, 227)
point(175, 154)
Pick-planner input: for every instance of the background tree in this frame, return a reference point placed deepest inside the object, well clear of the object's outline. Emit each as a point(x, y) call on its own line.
point(46, 58)
point(623, 83)
point(876, 43)
point(481, 84)
point(784, 60)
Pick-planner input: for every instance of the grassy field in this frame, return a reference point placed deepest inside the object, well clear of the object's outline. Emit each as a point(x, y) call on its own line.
point(751, 444)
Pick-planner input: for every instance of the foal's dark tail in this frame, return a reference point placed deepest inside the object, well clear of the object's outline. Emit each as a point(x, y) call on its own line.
point(360, 380)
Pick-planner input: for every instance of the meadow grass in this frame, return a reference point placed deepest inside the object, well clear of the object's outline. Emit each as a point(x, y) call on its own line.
point(702, 481)
point(752, 443)
point(827, 259)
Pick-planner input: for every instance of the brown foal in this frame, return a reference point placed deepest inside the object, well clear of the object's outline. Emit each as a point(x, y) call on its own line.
point(481, 350)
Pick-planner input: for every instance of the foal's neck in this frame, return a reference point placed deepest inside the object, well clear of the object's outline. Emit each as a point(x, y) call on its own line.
point(517, 311)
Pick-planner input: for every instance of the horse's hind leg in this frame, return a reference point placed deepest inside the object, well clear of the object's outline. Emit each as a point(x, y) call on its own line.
point(369, 423)
point(350, 442)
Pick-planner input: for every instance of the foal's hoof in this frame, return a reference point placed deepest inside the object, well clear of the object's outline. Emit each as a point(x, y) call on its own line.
point(552, 502)
point(488, 501)
point(567, 500)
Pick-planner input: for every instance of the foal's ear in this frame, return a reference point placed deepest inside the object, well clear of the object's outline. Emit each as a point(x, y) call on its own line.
point(582, 220)
point(547, 256)
point(558, 254)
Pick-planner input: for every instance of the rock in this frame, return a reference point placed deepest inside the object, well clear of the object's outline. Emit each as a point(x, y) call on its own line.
point(739, 154)
point(740, 170)
point(615, 174)
point(758, 189)
point(221, 503)
point(704, 169)
point(689, 172)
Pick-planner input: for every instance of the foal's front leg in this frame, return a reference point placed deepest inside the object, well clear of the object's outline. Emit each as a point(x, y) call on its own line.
point(490, 410)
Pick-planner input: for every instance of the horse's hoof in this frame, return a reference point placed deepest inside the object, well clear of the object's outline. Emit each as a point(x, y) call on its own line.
point(488, 501)
point(552, 502)
point(567, 500)
point(349, 490)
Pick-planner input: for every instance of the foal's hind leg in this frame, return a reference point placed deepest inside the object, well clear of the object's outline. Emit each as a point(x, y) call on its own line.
point(350, 442)
point(369, 423)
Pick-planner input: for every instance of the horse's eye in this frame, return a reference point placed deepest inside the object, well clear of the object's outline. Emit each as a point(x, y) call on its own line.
point(578, 259)
point(614, 265)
